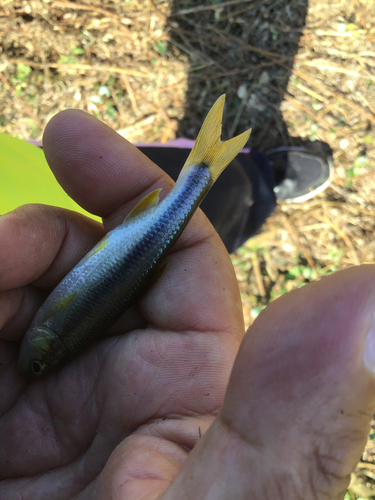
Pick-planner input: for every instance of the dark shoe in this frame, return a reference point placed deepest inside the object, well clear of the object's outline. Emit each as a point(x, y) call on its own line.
point(299, 173)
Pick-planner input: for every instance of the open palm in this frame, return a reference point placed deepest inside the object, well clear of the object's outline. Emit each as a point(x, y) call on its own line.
point(119, 422)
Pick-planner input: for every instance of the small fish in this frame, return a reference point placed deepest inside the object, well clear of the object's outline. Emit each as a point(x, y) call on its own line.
point(127, 261)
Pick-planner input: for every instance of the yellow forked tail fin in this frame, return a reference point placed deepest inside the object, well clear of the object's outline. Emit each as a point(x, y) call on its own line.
point(209, 149)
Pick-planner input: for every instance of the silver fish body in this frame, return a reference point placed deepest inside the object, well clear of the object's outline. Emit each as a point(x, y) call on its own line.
point(120, 268)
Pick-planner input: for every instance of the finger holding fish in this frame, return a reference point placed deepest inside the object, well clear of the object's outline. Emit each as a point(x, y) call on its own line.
point(40, 244)
point(38, 247)
point(101, 171)
point(116, 273)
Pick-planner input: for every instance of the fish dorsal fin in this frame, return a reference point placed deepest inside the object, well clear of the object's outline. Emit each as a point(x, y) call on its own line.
point(208, 149)
point(148, 201)
point(58, 306)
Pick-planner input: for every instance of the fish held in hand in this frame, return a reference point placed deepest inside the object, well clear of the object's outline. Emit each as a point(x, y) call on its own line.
point(127, 261)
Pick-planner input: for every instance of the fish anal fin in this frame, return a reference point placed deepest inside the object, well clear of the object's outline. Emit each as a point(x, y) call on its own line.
point(148, 201)
point(59, 305)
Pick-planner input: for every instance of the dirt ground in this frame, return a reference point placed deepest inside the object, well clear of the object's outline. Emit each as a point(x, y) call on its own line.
point(297, 72)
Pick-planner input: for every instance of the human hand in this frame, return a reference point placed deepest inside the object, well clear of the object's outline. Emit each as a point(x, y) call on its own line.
point(119, 421)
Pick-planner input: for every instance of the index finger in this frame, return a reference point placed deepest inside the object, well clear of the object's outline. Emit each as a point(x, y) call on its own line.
point(101, 171)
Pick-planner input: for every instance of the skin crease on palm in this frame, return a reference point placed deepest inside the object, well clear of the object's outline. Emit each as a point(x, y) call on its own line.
point(120, 421)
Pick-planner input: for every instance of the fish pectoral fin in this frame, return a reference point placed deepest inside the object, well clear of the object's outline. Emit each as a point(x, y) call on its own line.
point(159, 273)
point(58, 306)
point(98, 247)
point(148, 201)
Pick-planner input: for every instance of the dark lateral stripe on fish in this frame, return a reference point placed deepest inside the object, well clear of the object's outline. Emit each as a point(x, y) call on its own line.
point(120, 268)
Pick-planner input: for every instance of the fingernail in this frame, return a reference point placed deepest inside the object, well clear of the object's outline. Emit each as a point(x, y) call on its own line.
point(369, 350)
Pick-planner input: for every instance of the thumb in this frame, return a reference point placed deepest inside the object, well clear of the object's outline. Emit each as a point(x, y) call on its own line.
point(299, 401)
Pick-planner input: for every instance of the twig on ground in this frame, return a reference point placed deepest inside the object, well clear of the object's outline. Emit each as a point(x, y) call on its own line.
point(366, 465)
point(200, 8)
point(296, 103)
point(297, 241)
point(258, 274)
point(158, 12)
point(137, 125)
point(270, 265)
point(324, 88)
point(83, 67)
point(340, 232)
point(129, 90)
point(311, 93)
point(168, 130)
point(370, 106)
point(363, 21)
point(317, 118)
point(329, 67)
point(239, 112)
point(94, 8)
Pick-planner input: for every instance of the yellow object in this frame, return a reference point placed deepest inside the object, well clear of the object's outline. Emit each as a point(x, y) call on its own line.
point(209, 149)
point(148, 201)
point(25, 177)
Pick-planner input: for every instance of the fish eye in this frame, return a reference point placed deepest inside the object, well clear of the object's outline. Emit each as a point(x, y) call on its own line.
point(37, 366)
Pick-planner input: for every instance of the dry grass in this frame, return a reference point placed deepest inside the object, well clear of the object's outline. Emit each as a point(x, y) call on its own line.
point(294, 72)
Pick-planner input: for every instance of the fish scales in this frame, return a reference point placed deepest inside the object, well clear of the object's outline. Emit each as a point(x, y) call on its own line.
point(120, 268)
point(114, 287)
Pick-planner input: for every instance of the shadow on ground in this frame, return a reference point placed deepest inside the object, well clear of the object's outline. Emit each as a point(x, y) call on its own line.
point(246, 52)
